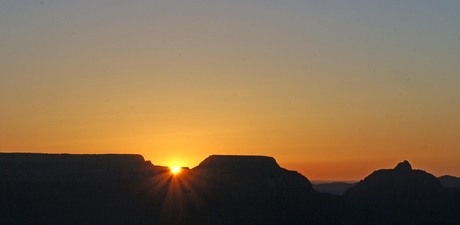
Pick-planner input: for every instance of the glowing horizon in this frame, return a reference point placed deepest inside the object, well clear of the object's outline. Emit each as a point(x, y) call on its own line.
point(175, 170)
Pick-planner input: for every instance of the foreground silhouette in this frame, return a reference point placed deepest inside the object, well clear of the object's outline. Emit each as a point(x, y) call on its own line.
point(335, 188)
point(126, 189)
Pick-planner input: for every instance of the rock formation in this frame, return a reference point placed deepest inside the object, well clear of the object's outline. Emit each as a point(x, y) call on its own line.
point(399, 196)
point(450, 181)
point(400, 181)
point(227, 190)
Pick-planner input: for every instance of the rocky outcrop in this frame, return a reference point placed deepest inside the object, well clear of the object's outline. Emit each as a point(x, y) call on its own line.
point(72, 189)
point(256, 190)
point(248, 172)
point(400, 181)
point(403, 167)
point(401, 196)
point(450, 181)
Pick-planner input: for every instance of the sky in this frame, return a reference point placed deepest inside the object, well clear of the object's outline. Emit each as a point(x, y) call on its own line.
point(333, 89)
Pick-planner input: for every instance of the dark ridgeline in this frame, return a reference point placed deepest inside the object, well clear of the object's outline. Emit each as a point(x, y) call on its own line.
point(70, 189)
point(335, 188)
point(125, 189)
point(404, 196)
point(450, 181)
point(256, 190)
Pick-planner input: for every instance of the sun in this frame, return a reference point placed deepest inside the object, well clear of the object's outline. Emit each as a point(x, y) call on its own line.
point(175, 170)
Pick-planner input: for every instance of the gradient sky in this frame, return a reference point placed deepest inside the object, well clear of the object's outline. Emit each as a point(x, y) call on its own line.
point(334, 89)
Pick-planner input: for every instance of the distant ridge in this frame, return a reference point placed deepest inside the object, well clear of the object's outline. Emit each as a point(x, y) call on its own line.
point(335, 188)
point(403, 196)
point(450, 181)
point(402, 180)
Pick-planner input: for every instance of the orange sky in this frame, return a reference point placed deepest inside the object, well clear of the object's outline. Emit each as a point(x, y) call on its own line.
point(333, 90)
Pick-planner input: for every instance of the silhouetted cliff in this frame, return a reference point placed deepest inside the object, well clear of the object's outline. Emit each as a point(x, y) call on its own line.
point(402, 196)
point(124, 189)
point(400, 181)
point(249, 190)
point(225, 190)
point(71, 189)
point(66, 167)
point(253, 190)
point(250, 172)
point(450, 181)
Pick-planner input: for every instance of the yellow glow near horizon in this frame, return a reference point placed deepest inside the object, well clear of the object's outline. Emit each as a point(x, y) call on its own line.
point(175, 170)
